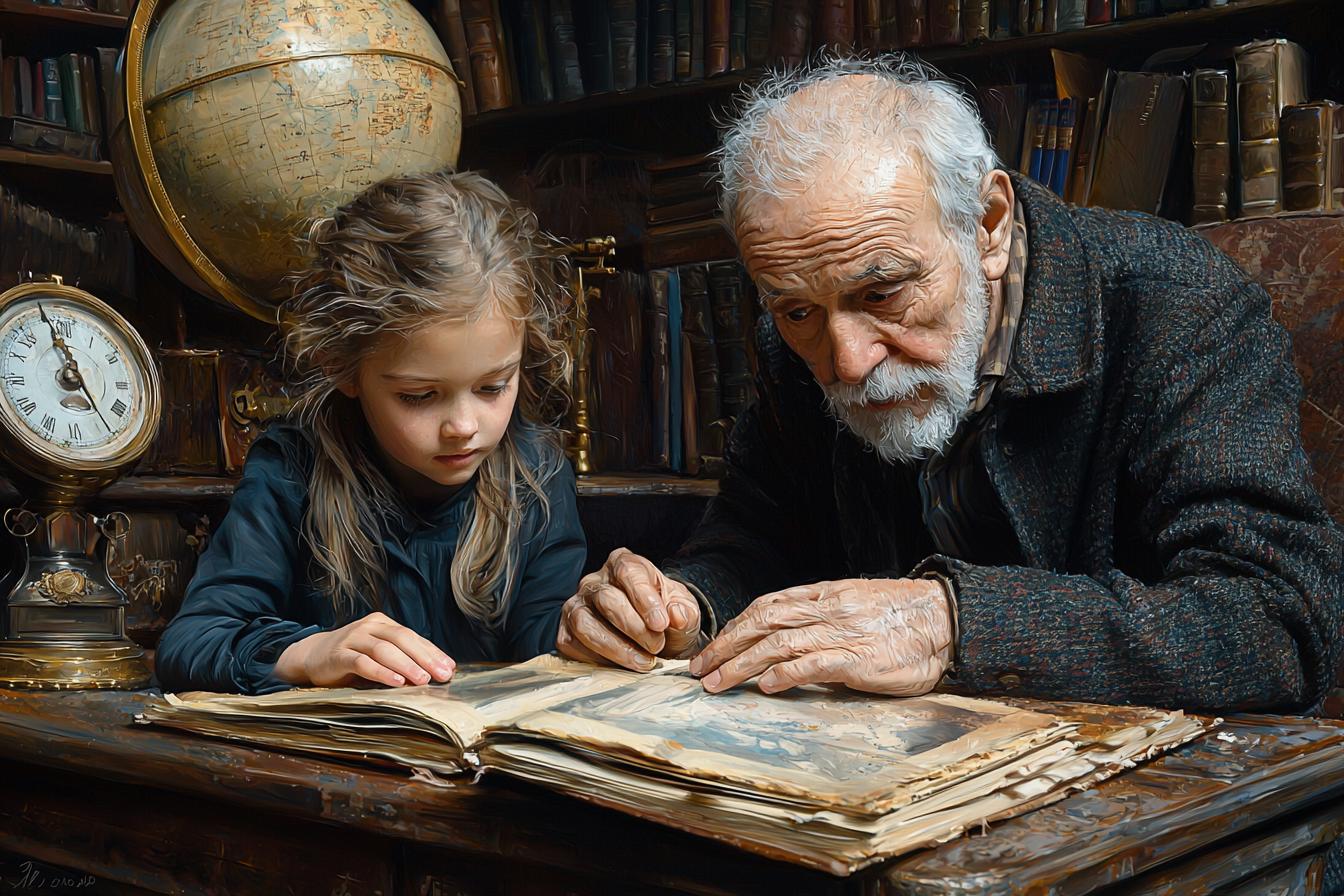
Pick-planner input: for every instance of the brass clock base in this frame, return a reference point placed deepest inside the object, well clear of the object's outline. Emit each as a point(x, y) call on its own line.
point(71, 665)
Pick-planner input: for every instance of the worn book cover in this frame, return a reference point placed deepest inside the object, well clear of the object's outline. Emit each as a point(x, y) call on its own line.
point(826, 778)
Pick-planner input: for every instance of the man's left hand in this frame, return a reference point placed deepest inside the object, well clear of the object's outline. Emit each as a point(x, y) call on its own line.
point(885, 636)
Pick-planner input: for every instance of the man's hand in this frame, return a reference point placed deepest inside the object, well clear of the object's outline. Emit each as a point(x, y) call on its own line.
point(887, 636)
point(627, 613)
point(371, 649)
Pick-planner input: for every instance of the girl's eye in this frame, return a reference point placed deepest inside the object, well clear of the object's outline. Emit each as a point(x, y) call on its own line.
point(496, 389)
point(415, 399)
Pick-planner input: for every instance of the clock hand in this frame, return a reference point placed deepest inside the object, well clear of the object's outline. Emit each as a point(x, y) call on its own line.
point(71, 364)
point(74, 368)
point(56, 339)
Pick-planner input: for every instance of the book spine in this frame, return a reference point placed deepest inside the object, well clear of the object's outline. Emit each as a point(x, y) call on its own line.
point(1082, 157)
point(1050, 145)
point(1036, 17)
point(975, 22)
point(624, 29)
point(1001, 23)
point(834, 23)
point(71, 91)
point(760, 18)
point(675, 413)
point(1063, 162)
point(791, 40)
point(655, 334)
point(643, 24)
point(1335, 164)
point(1305, 133)
point(616, 364)
point(565, 51)
point(890, 24)
point(718, 31)
point(698, 27)
point(683, 39)
point(448, 25)
point(870, 25)
point(1100, 12)
point(9, 86)
point(531, 59)
point(484, 50)
point(1269, 76)
point(1072, 15)
point(730, 337)
point(737, 35)
point(912, 16)
point(1038, 139)
point(25, 96)
point(697, 326)
point(663, 42)
point(1210, 138)
point(944, 22)
point(593, 22)
point(88, 88)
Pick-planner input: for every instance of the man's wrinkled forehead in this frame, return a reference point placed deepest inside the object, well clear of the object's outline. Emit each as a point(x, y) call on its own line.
point(873, 213)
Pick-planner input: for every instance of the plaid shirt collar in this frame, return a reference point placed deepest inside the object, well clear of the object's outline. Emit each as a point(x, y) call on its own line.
point(1002, 333)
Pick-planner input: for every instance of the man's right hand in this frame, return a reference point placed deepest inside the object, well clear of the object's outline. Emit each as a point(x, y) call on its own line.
point(627, 613)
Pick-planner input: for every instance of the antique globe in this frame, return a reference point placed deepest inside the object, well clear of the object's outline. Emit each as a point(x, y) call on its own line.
point(246, 119)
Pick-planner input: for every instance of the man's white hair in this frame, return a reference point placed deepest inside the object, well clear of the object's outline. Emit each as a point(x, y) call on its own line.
point(773, 149)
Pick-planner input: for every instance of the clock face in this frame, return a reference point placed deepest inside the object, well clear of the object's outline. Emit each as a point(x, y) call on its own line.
point(73, 382)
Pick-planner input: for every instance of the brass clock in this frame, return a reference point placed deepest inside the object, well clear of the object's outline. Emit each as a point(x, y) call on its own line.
point(79, 403)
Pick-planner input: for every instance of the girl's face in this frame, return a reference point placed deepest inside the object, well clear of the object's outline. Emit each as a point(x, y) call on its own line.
point(439, 399)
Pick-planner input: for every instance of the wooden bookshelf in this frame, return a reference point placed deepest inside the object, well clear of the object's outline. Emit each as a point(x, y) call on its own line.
point(25, 19)
point(1192, 25)
point(10, 156)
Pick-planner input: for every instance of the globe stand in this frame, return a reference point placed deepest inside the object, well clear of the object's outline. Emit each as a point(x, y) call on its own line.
point(65, 620)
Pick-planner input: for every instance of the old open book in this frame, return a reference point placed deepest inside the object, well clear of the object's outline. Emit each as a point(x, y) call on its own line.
point(825, 778)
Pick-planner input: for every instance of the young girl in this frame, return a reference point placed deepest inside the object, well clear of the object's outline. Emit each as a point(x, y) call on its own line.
point(418, 511)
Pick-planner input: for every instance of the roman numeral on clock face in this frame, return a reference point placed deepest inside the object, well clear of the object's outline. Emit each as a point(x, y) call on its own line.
point(74, 430)
point(119, 407)
point(48, 423)
point(27, 405)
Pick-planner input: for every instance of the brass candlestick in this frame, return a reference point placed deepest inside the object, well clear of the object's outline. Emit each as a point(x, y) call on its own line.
point(588, 256)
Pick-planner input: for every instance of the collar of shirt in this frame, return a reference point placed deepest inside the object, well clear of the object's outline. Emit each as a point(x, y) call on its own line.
point(1002, 333)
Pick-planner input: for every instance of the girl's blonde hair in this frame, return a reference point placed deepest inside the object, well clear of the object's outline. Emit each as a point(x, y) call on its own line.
point(410, 251)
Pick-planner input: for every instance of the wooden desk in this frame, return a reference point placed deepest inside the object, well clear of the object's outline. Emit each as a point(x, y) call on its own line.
point(82, 789)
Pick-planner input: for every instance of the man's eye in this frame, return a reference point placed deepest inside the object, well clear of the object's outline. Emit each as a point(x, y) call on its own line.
point(798, 315)
point(879, 298)
point(418, 398)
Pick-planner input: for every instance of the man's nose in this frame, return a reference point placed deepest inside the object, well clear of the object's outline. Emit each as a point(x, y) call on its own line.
point(855, 348)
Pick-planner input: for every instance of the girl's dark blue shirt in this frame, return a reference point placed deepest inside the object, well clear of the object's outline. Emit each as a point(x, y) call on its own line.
point(253, 593)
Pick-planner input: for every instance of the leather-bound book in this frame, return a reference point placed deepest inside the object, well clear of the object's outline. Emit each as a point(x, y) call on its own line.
point(1001, 16)
point(1271, 74)
point(760, 16)
point(944, 22)
point(690, 412)
point(1135, 9)
point(93, 97)
point(659, 371)
point(567, 73)
point(643, 33)
point(72, 92)
point(833, 22)
point(1312, 136)
point(913, 19)
point(890, 24)
point(870, 25)
point(1211, 141)
point(1142, 127)
point(737, 36)
point(1087, 124)
point(718, 22)
point(1071, 15)
point(1004, 110)
point(682, 38)
point(791, 40)
point(624, 31)
point(1022, 17)
point(975, 20)
point(727, 300)
point(1100, 12)
point(1036, 17)
point(448, 25)
point(698, 328)
point(531, 46)
point(592, 21)
point(485, 48)
point(621, 412)
point(663, 42)
point(698, 26)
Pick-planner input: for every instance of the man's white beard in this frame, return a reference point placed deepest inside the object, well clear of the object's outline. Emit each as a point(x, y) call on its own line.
point(898, 435)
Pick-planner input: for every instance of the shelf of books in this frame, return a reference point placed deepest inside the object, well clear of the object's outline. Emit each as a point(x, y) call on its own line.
point(108, 17)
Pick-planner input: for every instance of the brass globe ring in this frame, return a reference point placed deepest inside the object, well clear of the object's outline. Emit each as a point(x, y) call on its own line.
point(20, 522)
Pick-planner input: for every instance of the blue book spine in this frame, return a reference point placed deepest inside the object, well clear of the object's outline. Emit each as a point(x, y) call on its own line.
point(1059, 175)
point(677, 462)
point(1048, 148)
point(53, 105)
point(1038, 140)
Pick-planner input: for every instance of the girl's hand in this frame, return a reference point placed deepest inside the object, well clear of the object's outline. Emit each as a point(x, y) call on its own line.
point(372, 649)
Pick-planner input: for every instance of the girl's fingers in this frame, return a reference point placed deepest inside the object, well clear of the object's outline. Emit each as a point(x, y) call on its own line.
point(435, 663)
point(389, 655)
point(368, 668)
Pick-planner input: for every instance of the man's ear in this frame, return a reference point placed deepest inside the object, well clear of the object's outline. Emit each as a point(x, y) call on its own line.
point(995, 233)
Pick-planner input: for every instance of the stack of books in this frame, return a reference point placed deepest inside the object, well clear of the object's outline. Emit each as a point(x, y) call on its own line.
point(61, 104)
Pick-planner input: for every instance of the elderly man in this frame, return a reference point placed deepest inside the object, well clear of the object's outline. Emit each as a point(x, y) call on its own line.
point(1000, 441)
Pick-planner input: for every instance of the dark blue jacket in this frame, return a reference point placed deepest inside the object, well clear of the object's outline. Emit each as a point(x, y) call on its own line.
point(1145, 448)
point(253, 593)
